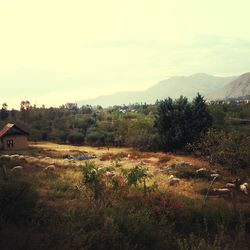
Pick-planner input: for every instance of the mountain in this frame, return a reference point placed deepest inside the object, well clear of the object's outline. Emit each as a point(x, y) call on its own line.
point(173, 87)
point(237, 88)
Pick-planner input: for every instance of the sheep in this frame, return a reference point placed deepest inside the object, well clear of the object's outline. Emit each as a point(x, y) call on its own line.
point(94, 171)
point(216, 176)
point(5, 157)
point(16, 168)
point(128, 155)
point(230, 185)
point(50, 168)
point(201, 170)
point(31, 159)
point(110, 174)
point(173, 181)
point(222, 191)
point(102, 168)
point(14, 157)
point(243, 188)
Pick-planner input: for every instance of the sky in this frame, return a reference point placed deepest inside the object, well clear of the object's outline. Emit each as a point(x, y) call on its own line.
point(58, 51)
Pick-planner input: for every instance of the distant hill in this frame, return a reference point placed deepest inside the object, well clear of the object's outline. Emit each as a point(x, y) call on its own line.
point(173, 87)
point(237, 88)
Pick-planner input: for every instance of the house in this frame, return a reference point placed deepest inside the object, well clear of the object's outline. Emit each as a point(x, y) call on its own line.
point(13, 138)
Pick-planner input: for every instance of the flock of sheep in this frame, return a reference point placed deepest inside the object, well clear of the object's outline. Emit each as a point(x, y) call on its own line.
point(22, 158)
point(226, 190)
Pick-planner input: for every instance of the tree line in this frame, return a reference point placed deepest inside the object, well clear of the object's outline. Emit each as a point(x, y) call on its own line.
point(166, 125)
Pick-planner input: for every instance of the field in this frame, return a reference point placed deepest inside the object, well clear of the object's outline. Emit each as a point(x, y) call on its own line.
point(43, 154)
point(61, 188)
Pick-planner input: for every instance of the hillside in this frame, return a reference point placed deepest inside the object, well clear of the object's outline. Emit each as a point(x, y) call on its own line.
point(172, 87)
point(237, 88)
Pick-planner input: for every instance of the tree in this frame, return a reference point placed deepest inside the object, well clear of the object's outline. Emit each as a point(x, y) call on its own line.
point(173, 122)
point(201, 117)
point(75, 137)
point(180, 122)
point(4, 112)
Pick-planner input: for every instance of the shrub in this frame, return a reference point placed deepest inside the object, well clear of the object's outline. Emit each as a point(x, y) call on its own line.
point(92, 178)
point(17, 200)
point(76, 137)
point(62, 186)
point(230, 149)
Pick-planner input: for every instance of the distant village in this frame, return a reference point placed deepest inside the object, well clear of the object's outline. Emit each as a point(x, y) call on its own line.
point(232, 100)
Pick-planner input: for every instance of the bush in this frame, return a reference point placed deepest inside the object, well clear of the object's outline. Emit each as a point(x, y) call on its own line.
point(17, 201)
point(92, 178)
point(230, 149)
point(76, 137)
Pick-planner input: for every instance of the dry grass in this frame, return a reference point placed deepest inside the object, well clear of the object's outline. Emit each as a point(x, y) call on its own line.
point(68, 172)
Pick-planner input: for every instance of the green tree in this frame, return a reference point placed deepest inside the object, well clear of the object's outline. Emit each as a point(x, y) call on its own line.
point(76, 137)
point(201, 117)
point(173, 122)
point(92, 178)
point(180, 122)
point(4, 112)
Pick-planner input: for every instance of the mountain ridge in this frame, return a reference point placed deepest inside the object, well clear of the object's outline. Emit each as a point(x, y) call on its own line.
point(238, 88)
point(172, 87)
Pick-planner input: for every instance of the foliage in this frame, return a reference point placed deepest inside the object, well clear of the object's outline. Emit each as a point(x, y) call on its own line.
point(92, 178)
point(231, 149)
point(180, 122)
point(76, 137)
point(168, 124)
point(135, 175)
point(17, 200)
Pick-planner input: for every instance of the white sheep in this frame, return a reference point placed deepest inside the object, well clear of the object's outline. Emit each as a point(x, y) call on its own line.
point(50, 168)
point(222, 191)
point(173, 181)
point(4, 157)
point(31, 159)
point(243, 188)
point(216, 176)
point(230, 185)
point(110, 174)
point(21, 157)
point(201, 170)
point(16, 168)
point(170, 177)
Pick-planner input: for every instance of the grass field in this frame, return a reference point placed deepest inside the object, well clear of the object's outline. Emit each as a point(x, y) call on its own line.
point(42, 154)
point(66, 211)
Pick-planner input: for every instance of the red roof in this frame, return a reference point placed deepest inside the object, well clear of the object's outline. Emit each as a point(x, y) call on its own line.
point(9, 126)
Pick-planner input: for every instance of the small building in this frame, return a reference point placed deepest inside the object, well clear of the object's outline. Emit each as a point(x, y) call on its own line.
point(13, 138)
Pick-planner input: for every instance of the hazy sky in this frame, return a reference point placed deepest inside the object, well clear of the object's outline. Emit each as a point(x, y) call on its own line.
point(58, 51)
